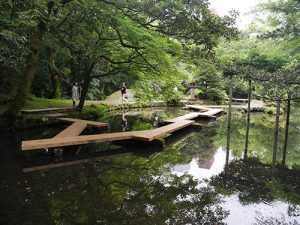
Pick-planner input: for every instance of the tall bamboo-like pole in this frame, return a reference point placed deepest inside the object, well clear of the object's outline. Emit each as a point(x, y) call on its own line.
point(275, 137)
point(287, 124)
point(229, 119)
point(248, 121)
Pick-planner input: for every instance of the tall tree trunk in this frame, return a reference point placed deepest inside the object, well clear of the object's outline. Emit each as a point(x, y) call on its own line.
point(287, 124)
point(52, 80)
point(35, 44)
point(86, 84)
point(229, 119)
point(248, 121)
point(57, 85)
point(276, 137)
point(84, 91)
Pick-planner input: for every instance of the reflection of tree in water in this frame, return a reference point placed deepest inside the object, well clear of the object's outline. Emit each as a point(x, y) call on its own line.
point(127, 190)
point(263, 220)
point(261, 137)
point(253, 182)
point(200, 145)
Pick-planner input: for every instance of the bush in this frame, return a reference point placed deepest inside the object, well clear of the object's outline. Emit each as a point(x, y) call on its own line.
point(141, 125)
point(270, 110)
point(90, 112)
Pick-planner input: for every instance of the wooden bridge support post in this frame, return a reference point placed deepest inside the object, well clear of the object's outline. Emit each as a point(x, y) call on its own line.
point(248, 121)
point(287, 124)
point(229, 119)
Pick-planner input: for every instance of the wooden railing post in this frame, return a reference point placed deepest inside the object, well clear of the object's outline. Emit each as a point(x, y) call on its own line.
point(248, 121)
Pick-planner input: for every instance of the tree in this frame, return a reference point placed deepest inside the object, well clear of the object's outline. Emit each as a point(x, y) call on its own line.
point(35, 41)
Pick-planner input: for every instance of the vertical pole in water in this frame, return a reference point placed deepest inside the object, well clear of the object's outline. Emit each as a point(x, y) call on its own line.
point(287, 124)
point(275, 137)
point(229, 119)
point(248, 121)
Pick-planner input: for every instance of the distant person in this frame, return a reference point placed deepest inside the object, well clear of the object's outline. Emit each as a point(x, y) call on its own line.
point(123, 92)
point(75, 94)
point(155, 119)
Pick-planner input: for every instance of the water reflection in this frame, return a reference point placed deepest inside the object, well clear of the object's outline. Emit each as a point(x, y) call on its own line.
point(178, 181)
point(252, 189)
point(124, 122)
point(122, 190)
point(260, 140)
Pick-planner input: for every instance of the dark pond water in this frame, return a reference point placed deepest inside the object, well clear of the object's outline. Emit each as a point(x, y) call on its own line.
point(184, 181)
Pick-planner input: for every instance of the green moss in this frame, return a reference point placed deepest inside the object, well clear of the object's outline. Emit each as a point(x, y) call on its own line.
point(89, 112)
point(42, 103)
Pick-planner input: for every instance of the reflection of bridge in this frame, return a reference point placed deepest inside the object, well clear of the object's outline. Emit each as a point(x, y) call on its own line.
point(207, 164)
point(71, 135)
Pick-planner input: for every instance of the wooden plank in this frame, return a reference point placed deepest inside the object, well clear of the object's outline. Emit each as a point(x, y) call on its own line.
point(89, 122)
point(198, 107)
point(211, 112)
point(69, 136)
point(240, 99)
point(189, 116)
point(148, 135)
point(78, 140)
point(27, 111)
point(255, 105)
point(161, 131)
point(54, 115)
point(73, 130)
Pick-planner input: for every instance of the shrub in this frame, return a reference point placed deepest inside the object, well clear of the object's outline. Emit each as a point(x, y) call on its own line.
point(90, 112)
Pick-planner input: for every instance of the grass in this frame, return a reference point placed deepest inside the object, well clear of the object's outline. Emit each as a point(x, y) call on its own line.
point(43, 103)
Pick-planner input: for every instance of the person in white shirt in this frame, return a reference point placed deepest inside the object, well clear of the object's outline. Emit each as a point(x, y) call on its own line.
point(75, 94)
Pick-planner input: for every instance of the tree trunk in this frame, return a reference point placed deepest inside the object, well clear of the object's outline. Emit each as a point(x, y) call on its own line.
point(52, 80)
point(248, 122)
point(86, 84)
point(84, 91)
point(56, 91)
point(229, 119)
point(276, 137)
point(35, 44)
point(287, 124)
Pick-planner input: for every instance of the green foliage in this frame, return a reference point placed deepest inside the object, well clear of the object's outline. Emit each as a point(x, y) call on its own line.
point(270, 110)
point(108, 45)
point(90, 112)
point(283, 18)
point(140, 125)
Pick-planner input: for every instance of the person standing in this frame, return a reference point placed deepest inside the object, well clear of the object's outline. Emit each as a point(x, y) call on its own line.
point(75, 94)
point(123, 91)
point(155, 119)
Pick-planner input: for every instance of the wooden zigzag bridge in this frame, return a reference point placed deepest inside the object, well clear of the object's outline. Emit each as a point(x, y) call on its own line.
point(71, 135)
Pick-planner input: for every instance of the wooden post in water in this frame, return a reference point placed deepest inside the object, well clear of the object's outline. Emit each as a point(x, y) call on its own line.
point(229, 119)
point(248, 121)
point(275, 137)
point(287, 124)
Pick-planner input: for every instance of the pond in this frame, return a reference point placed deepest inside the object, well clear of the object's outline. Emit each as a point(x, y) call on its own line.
point(184, 180)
